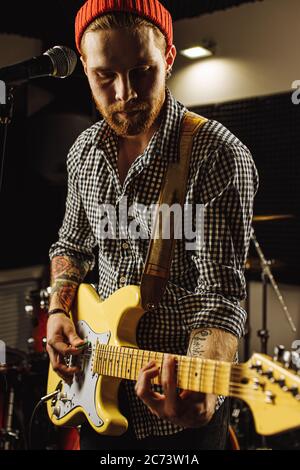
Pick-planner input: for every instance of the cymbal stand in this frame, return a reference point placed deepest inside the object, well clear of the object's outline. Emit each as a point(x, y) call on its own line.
point(6, 113)
point(267, 276)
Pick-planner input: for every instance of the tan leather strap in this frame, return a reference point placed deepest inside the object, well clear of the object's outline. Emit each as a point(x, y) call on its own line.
point(160, 251)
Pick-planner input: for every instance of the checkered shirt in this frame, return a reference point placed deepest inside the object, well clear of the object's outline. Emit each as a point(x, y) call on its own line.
point(206, 285)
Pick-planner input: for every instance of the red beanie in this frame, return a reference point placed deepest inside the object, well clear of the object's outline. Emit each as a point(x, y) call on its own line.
point(151, 10)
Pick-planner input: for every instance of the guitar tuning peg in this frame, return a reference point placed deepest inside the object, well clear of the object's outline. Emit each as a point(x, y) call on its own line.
point(278, 352)
point(296, 360)
point(287, 357)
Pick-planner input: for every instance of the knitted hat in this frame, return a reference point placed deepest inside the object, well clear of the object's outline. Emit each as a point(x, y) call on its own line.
point(151, 10)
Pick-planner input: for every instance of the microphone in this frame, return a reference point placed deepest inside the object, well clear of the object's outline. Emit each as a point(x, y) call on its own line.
point(58, 62)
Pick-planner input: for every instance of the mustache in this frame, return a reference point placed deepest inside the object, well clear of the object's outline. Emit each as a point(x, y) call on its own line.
point(119, 108)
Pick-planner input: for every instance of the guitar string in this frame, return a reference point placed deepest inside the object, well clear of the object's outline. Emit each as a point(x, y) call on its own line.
point(232, 385)
point(235, 368)
point(135, 353)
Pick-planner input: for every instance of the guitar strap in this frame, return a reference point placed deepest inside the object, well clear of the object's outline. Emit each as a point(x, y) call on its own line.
point(160, 251)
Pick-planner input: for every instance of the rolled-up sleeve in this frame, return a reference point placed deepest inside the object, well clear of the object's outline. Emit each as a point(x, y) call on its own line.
point(75, 235)
point(226, 189)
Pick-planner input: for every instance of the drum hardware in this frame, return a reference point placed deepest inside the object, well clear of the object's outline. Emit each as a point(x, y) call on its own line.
point(36, 307)
point(264, 266)
point(267, 276)
point(12, 427)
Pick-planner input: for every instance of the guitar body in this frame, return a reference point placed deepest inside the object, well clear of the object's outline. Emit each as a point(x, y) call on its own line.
point(94, 397)
point(109, 327)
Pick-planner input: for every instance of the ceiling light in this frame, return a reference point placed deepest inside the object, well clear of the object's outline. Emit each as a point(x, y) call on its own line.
point(198, 52)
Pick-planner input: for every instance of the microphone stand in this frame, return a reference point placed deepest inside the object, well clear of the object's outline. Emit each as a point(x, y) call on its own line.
point(6, 113)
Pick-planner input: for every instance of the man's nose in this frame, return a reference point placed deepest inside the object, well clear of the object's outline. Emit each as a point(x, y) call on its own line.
point(125, 90)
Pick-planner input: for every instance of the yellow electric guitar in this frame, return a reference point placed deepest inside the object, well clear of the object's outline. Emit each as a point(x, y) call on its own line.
point(271, 390)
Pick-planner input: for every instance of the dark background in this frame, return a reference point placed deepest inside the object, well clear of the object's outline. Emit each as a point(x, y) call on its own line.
point(34, 187)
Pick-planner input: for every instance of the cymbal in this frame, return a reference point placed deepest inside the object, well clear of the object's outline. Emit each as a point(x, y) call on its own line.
point(271, 218)
point(254, 264)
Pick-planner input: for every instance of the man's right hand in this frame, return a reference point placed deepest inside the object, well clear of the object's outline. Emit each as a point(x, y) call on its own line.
point(62, 341)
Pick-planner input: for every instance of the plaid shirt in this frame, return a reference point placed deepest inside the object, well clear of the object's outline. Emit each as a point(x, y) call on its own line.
point(205, 286)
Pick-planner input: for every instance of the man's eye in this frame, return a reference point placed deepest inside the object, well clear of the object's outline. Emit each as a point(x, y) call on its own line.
point(143, 69)
point(105, 75)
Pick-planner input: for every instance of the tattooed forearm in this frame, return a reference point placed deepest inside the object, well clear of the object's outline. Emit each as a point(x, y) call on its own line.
point(67, 268)
point(212, 343)
point(197, 346)
point(66, 275)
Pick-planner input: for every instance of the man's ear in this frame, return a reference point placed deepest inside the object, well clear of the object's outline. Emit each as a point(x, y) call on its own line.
point(84, 64)
point(170, 56)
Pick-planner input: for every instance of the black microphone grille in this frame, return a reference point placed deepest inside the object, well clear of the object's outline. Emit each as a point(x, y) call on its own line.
point(64, 60)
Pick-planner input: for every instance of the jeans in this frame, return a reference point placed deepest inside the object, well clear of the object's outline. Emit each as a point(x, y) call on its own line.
point(213, 436)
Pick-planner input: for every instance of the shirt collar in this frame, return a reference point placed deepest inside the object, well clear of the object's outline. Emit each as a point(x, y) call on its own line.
point(165, 142)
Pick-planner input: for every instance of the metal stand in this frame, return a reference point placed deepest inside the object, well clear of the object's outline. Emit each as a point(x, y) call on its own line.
point(6, 113)
point(247, 326)
point(267, 277)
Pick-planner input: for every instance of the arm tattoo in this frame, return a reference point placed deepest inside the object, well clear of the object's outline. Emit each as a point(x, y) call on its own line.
point(212, 343)
point(66, 274)
point(197, 345)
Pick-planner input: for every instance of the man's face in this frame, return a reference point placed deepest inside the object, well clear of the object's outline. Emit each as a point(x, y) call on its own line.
point(127, 75)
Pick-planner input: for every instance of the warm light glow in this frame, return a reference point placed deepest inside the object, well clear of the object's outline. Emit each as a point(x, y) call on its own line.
point(198, 52)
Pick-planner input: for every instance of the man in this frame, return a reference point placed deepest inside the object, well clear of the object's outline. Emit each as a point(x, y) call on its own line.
point(127, 53)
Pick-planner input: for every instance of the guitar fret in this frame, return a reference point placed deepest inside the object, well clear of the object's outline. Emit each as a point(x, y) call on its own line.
point(189, 373)
point(107, 360)
point(135, 365)
point(180, 372)
point(214, 377)
point(110, 360)
point(157, 379)
point(98, 358)
point(202, 370)
point(142, 362)
point(117, 366)
point(126, 362)
point(129, 361)
point(122, 362)
point(113, 361)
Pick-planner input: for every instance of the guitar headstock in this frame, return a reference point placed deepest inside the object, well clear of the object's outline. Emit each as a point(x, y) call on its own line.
point(272, 390)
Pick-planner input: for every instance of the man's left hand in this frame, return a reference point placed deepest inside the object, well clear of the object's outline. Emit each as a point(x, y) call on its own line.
point(188, 409)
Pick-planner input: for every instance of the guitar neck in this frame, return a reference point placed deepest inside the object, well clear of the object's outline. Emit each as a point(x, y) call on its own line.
point(193, 373)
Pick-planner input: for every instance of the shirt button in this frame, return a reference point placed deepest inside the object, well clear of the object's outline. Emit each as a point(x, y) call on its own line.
point(122, 280)
point(125, 246)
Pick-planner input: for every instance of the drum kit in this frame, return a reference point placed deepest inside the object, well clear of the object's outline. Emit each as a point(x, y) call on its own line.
point(24, 375)
point(242, 430)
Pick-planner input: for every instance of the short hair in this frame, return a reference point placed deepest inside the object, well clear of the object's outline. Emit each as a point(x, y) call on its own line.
point(127, 20)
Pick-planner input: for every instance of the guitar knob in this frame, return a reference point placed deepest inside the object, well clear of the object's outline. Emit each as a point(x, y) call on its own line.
point(278, 352)
point(56, 411)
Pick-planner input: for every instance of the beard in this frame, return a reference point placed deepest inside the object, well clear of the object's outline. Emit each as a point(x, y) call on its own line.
point(140, 115)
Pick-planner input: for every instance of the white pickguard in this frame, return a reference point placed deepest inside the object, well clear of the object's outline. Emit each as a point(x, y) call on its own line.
point(82, 391)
